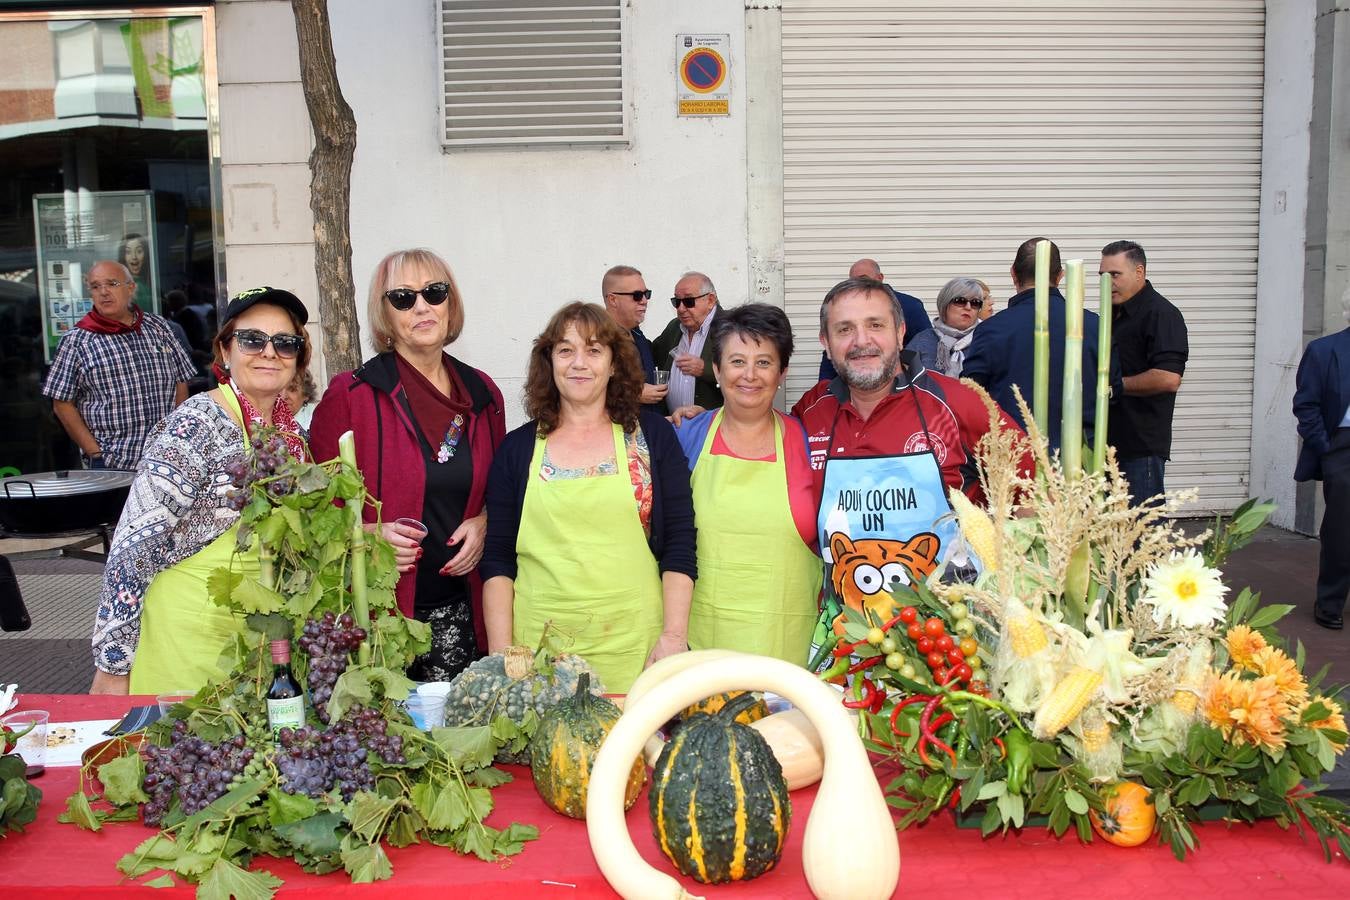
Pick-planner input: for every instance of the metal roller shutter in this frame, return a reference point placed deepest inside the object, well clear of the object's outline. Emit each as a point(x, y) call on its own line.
point(936, 137)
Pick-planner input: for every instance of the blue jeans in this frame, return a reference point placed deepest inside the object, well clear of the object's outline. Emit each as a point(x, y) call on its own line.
point(1145, 477)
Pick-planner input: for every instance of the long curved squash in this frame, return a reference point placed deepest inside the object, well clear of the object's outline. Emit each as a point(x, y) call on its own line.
point(859, 862)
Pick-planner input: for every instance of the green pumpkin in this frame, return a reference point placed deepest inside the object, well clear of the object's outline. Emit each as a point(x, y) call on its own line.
point(719, 804)
point(752, 713)
point(563, 749)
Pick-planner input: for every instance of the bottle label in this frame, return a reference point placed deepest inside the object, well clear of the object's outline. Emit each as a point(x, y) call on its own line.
point(288, 713)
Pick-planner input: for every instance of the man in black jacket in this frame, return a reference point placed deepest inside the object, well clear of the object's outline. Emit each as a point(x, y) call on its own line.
point(1149, 335)
point(684, 347)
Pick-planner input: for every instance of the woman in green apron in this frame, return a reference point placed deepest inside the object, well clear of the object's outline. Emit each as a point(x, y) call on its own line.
point(590, 522)
point(156, 629)
point(754, 498)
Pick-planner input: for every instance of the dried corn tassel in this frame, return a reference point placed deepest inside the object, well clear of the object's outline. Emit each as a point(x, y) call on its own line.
point(977, 529)
point(1066, 701)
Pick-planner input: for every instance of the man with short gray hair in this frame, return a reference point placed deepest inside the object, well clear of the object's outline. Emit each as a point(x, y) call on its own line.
point(684, 347)
point(117, 373)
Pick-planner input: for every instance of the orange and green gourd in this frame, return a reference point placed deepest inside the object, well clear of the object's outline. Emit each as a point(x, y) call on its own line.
point(718, 802)
point(752, 713)
point(564, 746)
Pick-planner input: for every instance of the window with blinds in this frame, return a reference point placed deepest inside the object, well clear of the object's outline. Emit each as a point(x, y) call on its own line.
point(532, 72)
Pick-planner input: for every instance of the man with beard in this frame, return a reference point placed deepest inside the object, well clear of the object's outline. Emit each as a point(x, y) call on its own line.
point(888, 440)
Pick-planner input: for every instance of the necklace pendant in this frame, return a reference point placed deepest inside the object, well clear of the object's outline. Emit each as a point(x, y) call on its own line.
point(450, 442)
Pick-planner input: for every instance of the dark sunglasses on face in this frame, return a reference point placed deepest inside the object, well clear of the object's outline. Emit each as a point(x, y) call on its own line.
point(403, 299)
point(687, 302)
point(972, 302)
point(638, 296)
point(252, 342)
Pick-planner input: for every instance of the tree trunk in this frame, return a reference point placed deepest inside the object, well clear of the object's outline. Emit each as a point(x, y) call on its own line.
point(330, 167)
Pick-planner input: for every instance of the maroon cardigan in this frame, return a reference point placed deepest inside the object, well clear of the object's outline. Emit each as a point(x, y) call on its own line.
point(371, 403)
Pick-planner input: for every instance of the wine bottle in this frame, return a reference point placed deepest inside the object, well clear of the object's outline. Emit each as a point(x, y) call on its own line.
point(285, 700)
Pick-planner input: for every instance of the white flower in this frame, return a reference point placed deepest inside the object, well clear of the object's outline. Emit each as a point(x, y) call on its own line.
point(1185, 592)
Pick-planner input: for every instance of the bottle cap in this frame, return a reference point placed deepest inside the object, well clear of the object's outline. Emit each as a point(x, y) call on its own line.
point(281, 651)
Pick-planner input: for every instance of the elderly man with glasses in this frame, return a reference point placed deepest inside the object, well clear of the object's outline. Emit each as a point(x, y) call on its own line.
point(684, 347)
point(626, 295)
point(117, 373)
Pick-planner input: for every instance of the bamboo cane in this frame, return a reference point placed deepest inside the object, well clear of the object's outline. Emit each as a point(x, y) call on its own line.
point(1103, 372)
point(1071, 425)
point(1040, 381)
point(360, 604)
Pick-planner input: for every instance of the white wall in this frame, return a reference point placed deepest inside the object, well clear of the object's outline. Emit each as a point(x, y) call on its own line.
point(527, 230)
point(1280, 271)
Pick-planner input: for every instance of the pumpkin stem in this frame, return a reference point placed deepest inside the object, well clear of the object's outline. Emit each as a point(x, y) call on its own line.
point(736, 705)
point(583, 694)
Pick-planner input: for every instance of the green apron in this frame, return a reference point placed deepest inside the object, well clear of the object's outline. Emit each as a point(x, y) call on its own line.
point(758, 583)
point(182, 631)
point(582, 563)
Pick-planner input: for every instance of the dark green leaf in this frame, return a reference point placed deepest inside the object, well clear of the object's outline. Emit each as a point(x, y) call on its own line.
point(317, 836)
point(1075, 802)
point(272, 626)
point(284, 808)
point(1269, 615)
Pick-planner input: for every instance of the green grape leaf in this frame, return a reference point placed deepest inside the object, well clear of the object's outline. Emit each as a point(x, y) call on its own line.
point(220, 585)
point(366, 863)
point(489, 777)
point(481, 841)
point(403, 829)
point(251, 597)
point(155, 852)
point(122, 778)
point(163, 881)
point(442, 806)
point(512, 840)
point(284, 808)
point(318, 835)
point(226, 880)
point(367, 812)
point(469, 746)
point(79, 812)
point(311, 478)
point(272, 626)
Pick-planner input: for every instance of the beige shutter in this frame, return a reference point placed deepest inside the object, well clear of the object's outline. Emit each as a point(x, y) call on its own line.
point(936, 137)
point(532, 72)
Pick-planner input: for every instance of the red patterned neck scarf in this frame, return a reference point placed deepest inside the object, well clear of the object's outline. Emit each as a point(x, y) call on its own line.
point(282, 420)
point(98, 323)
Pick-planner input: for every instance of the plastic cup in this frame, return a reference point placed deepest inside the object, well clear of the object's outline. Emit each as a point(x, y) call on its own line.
point(427, 710)
point(662, 376)
point(169, 701)
point(439, 689)
point(33, 745)
point(407, 522)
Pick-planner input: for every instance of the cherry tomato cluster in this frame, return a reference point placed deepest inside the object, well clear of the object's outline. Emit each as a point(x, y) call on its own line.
point(951, 658)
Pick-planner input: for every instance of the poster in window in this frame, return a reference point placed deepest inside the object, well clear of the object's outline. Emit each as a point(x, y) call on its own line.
point(78, 229)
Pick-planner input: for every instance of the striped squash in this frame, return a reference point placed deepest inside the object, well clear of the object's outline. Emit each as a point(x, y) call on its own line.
point(564, 746)
point(719, 804)
point(752, 713)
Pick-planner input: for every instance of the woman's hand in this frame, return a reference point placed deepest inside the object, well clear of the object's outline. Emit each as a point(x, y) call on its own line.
point(407, 544)
point(469, 535)
point(667, 645)
point(684, 414)
point(105, 683)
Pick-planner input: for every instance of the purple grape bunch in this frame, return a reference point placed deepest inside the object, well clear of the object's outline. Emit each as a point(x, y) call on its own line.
point(267, 457)
point(313, 762)
point(328, 641)
point(198, 771)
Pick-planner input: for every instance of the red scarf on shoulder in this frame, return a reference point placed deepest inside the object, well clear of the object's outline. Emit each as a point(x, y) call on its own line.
point(98, 323)
point(282, 419)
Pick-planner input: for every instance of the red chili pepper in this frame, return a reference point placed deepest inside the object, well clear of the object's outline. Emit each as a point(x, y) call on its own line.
point(868, 663)
point(923, 753)
point(1002, 749)
point(846, 649)
point(891, 624)
point(878, 701)
point(941, 720)
point(867, 698)
point(908, 701)
point(956, 797)
point(945, 748)
point(927, 713)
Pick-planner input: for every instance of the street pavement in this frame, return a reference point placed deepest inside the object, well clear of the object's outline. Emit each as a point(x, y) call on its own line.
point(62, 595)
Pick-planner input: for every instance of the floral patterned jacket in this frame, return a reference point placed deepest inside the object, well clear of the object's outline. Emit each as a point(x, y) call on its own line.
point(176, 507)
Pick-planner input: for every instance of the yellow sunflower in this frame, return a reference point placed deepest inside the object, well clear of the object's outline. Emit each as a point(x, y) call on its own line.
point(1184, 592)
point(1335, 720)
point(1273, 662)
point(1243, 644)
point(1248, 710)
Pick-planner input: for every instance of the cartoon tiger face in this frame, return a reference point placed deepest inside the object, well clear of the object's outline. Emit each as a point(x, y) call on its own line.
point(863, 570)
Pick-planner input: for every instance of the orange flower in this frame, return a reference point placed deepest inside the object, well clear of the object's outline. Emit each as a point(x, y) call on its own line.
point(1335, 720)
point(1273, 662)
point(1250, 710)
point(1243, 644)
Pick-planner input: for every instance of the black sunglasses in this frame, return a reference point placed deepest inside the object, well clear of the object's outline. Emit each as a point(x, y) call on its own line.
point(687, 302)
point(403, 299)
point(972, 302)
point(252, 342)
point(636, 295)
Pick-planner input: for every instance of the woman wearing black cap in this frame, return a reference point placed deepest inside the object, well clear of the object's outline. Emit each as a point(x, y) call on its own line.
point(157, 629)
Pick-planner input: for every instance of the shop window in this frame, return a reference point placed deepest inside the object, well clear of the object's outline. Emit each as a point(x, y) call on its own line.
point(532, 72)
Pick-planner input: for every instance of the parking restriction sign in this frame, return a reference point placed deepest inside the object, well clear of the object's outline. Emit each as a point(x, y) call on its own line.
point(704, 87)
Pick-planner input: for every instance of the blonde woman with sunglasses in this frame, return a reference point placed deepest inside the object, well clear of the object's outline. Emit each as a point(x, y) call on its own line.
point(943, 347)
point(157, 629)
point(427, 426)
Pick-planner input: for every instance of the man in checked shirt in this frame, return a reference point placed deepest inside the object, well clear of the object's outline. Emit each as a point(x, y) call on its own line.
point(117, 373)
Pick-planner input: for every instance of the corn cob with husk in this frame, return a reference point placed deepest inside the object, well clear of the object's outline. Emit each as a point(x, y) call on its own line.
point(1066, 701)
point(1098, 747)
point(1024, 667)
point(978, 530)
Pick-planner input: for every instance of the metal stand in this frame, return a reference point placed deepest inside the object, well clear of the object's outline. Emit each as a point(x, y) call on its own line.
point(76, 549)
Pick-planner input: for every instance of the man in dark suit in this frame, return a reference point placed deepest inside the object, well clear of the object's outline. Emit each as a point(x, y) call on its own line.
point(684, 348)
point(1322, 406)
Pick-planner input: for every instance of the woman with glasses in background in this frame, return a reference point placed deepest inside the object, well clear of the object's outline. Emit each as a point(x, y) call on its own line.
point(943, 348)
point(426, 426)
point(157, 629)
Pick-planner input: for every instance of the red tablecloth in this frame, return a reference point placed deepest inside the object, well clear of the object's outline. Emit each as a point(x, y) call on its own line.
point(51, 859)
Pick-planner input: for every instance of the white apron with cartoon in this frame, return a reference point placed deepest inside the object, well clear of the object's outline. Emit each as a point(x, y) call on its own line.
point(882, 519)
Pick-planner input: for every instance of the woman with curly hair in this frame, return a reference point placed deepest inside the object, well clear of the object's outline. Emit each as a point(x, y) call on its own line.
point(590, 517)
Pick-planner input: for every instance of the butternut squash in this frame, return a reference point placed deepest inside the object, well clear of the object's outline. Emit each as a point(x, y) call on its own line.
point(859, 862)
